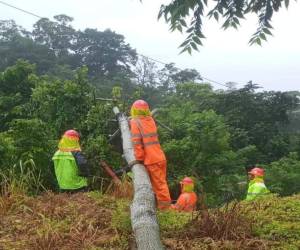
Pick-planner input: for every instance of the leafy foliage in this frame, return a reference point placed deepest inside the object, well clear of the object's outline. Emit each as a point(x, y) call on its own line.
point(202, 149)
point(16, 85)
point(46, 108)
point(210, 135)
point(58, 101)
point(260, 118)
point(188, 16)
point(288, 167)
point(214, 133)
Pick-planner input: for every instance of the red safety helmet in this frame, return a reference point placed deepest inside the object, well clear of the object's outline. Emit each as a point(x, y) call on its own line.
point(140, 104)
point(187, 180)
point(257, 172)
point(72, 133)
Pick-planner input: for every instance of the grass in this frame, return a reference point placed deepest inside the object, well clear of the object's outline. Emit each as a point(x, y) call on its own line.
point(22, 177)
point(277, 219)
point(58, 221)
point(269, 223)
point(223, 228)
point(92, 221)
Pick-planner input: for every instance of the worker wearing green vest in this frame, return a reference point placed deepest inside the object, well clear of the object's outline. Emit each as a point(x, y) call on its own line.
point(70, 166)
point(257, 187)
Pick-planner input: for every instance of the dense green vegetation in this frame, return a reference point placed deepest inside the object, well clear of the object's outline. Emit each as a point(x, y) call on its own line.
point(277, 219)
point(49, 82)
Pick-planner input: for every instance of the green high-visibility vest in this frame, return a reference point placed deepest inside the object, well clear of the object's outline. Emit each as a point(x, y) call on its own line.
point(256, 189)
point(66, 171)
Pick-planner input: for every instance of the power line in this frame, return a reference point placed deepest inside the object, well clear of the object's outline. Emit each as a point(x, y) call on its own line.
point(158, 61)
point(152, 59)
point(25, 11)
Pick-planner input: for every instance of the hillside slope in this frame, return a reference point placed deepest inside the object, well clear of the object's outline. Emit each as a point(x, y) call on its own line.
point(94, 221)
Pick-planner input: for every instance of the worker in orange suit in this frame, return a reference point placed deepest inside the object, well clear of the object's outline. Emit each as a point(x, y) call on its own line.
point(188, 199)
point(147, 150)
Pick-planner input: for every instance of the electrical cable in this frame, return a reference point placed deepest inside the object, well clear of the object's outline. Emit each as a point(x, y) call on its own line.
point(22, 10)
point(205, 78)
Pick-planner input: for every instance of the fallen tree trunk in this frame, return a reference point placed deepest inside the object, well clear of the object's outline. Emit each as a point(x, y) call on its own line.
point(143, 216)
point(111, 173)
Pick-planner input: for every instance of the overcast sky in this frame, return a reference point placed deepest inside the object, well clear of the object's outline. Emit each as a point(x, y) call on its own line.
point(225, 56)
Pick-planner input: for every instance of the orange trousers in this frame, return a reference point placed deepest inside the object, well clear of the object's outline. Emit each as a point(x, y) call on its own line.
point(158, 177)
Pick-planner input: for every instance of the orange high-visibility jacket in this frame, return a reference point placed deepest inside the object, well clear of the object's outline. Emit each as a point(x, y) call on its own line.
point(186, 202)
point(145, 140)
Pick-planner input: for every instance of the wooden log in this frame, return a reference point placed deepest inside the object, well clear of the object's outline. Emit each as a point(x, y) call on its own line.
point(143, 210)
point(111, 173)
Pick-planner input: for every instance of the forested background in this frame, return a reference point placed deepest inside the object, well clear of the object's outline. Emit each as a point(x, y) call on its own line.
point(52, 76)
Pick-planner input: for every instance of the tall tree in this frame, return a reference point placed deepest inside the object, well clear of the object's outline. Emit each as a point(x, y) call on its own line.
point(259, 115)
point(16, 84)
point(170, 76)
point(57, 49)
point(58, 35)
point(146, 72)
point(16, 43)
point(64, 104)
point(105, 53)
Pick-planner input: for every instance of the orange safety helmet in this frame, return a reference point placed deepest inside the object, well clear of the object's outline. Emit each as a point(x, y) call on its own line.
point(69, 141)
point(140, 104)
point(71, 133)
point(140, 108)
point(187, 180)
point(187, 185)
point(257, 172)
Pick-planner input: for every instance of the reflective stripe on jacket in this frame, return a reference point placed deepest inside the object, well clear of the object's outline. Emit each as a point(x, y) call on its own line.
point(256, 189)
point(145, 140)
point(67, 172)
point(186, 202)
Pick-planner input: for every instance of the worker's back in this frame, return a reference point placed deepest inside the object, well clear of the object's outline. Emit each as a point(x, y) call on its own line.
point(67, 172)
point(186, 202)
point(257, 189)
point(145, 140)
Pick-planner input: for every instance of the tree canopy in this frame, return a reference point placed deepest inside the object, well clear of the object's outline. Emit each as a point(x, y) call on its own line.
point(56, 47)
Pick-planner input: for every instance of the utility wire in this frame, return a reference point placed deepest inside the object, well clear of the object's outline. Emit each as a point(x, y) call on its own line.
point(24, 11)
point(155, 60)
point(152, 59)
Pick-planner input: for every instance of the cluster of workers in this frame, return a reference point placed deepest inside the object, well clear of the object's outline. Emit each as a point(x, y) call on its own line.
point(72, 170)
